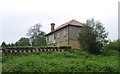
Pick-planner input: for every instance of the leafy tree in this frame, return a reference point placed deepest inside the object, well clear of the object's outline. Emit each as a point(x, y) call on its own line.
point(23, 42)
point(3, 44)
point(40, 40)
point(92, 36)
point(37, 37)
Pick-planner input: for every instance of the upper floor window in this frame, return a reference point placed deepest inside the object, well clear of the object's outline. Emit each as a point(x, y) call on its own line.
point(64, 33)
point(51, 38)
point(58, 35)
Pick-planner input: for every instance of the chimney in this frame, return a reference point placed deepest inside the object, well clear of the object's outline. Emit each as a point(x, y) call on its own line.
point(52, 26)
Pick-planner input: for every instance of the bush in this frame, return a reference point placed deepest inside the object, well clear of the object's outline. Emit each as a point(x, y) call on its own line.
point(115, 45)
point(19, 47)
point(31, 47)
point(47, 47)
point(65, 47)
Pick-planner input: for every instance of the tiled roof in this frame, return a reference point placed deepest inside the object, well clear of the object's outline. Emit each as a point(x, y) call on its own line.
point(72, 22)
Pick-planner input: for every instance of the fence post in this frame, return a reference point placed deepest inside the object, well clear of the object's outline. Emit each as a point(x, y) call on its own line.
point(51, 49)
point(28, 50)
point(48, 50)
point(24, 51)
point(41, 50)
point(20, 51)
point(44, 49)
point(10, 51)
point(15, 51)
point(36, 50)
point(1, 51)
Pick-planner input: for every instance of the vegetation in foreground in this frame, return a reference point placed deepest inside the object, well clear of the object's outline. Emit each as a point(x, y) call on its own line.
point(67, 61)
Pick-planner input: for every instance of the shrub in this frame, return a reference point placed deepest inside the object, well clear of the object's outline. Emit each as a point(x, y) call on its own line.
point(65, 47)
point(114, 45)
point(19, 47)
point(33, 48)
point(47, 47)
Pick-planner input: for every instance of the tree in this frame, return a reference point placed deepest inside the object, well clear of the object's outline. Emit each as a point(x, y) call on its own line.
point(23, 42)
point(3, 44)
point(37, 37)
point(92, 36)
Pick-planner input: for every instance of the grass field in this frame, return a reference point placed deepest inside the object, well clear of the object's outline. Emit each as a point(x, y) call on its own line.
point(75, 61)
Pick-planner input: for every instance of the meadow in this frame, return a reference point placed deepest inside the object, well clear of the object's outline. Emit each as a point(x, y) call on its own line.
point(63, 61)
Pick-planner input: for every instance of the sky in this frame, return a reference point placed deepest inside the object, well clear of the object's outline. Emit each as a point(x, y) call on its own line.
point(17, 16)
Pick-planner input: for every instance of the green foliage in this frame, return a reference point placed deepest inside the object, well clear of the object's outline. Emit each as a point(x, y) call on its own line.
point(3, 44)
point(36, 47)
point(31, 47)
point(112, 45)
point(65, 47)
point(7, 45)
point(12, 44)
point(92, 36)
point(48, 47)
point(40, 40)
point(76, 61)
point(19, 47)
point(23, 42)
point(37, 37)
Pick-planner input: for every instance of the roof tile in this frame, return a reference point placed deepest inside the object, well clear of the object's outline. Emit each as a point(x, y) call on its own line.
point(72, 22)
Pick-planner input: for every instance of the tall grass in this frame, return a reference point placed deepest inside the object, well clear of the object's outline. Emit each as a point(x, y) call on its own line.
point(76, 61)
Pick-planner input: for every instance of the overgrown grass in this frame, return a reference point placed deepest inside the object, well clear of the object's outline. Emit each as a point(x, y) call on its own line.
point(76, 61)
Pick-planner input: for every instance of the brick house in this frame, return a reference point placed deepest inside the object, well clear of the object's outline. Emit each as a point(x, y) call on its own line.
point(64, 35)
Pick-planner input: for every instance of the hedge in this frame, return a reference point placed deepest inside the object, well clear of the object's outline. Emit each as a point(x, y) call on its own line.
point(39, 47)
point(65, 47)
point(34, 49)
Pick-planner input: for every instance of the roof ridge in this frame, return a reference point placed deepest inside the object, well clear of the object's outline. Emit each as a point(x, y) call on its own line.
point(72, 22)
